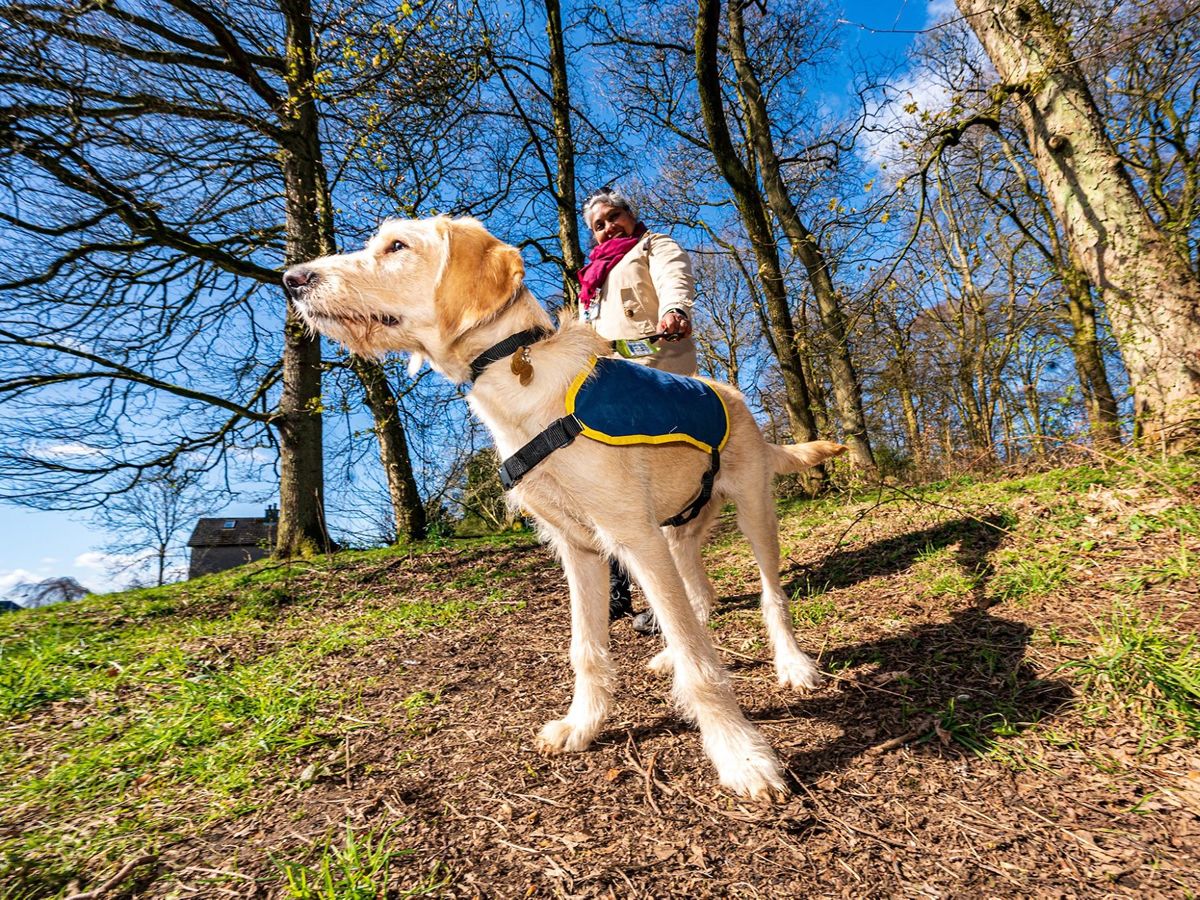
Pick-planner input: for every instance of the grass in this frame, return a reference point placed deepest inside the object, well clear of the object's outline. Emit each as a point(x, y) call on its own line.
point(182, 703)
point(1145, 664)
point(359, 868)
point(138, 719)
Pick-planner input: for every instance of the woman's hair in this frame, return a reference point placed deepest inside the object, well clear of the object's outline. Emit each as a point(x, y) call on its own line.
point(609, 196)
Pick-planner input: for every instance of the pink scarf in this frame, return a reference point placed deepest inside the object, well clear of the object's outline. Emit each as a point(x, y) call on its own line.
point(602, 260)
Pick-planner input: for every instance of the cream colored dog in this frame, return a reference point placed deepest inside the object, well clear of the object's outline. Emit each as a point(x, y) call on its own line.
point(445, 291)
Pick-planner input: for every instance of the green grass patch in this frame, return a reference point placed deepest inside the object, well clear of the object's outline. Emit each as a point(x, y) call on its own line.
point(1025, 574)
point(360, 867)
point(157, 712)
point(1144, 664)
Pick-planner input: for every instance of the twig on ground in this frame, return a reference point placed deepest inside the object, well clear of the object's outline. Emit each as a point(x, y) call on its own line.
point(824, 810)
point(121, 874)
point(922, 726)
point(647, 772)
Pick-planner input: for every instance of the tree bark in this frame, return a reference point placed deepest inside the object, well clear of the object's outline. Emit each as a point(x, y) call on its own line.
point(847, 391)
point(407, 509)
point(302, 526)
point(754, 216)
point(1151, 294)
point(564, 143)
point(1101, 403)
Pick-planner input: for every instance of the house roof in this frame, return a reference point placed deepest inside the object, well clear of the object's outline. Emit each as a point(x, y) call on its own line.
point(242, 533)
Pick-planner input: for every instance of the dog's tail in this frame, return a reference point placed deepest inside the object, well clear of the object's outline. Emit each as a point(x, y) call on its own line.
point(797, 457)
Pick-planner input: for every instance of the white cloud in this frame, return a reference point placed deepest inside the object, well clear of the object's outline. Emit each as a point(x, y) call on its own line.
point(101, 561)
point(938, 12)
point(118, 571)
point(914, 94)
point(49, 560)
point(67, 448)
point(11, 579)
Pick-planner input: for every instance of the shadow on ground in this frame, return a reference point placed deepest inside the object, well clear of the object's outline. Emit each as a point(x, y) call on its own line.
point(955, 687)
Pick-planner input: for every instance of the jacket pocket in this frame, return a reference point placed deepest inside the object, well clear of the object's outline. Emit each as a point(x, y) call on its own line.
point(635, 313)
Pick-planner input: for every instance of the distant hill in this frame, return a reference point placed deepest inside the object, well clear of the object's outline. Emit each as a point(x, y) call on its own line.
point(45, 593)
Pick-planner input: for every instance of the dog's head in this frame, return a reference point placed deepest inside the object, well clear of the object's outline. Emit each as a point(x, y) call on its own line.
point(417, 287)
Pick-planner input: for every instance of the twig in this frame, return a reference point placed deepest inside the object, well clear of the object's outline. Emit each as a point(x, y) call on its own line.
point(121, 874)
point(895, 742)
point(871, 834)
point(859, 684)
point(647, 772)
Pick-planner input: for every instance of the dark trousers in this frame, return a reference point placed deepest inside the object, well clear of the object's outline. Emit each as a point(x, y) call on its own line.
point(620, 598)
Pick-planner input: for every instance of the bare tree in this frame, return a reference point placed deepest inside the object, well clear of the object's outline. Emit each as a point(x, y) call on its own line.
point(1151, 292)
point(148, 525)
point(198, 166)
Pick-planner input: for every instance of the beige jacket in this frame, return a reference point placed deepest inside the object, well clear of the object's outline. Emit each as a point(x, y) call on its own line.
point(652, 278)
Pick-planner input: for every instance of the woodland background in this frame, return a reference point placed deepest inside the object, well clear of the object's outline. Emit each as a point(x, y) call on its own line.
point(973, 259)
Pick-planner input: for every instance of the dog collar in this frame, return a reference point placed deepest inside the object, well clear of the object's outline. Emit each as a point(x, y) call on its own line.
point(506, 347)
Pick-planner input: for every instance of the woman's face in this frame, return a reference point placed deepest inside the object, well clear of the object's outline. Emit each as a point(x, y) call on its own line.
point(609, 222)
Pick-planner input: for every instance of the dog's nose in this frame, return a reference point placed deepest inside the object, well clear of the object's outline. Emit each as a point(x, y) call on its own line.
point(297, 278)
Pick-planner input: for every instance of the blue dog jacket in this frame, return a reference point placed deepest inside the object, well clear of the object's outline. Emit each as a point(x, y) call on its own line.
point(619, 402)
point(622, 403)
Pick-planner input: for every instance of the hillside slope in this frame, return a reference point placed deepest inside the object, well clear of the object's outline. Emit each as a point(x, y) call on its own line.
point(1014, 709)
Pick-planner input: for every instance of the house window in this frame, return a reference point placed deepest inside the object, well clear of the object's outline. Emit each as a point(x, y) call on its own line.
point(230, 523)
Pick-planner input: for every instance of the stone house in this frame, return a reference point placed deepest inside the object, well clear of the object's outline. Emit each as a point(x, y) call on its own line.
point(219, 544)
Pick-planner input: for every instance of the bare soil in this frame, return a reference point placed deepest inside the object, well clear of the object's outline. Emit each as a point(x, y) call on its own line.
point(902, 787)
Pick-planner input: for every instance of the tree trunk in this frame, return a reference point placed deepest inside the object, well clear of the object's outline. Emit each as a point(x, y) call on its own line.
point(302, 526)
point(912, 424)
point(1101, 403)
point(1151, 294)
point(754, 217)
point(564, 145)
point(310, 233)
point(407, 509)
point(847, 391)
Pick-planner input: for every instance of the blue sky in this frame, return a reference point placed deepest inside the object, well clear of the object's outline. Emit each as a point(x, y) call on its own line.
point(38, 545)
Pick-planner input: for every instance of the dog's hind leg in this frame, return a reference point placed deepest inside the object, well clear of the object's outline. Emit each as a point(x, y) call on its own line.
point(744, 760)
point(756, 519)
point(587, 576)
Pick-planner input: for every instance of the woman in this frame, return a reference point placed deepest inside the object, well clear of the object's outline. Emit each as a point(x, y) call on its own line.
point(637, 285)
point(637, 291)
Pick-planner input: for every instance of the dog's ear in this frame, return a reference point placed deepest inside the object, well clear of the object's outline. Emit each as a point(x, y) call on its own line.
point(480, 274)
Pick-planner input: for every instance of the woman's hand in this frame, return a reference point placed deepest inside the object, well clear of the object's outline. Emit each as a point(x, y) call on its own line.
point(675, 323)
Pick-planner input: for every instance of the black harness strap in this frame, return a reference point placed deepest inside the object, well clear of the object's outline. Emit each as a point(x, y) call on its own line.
point(506, 347)
point(706, 488)
point(559, 434)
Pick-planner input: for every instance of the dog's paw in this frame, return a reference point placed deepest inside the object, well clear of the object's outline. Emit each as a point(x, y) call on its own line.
point(800, 673)
point(661, 663)
point(560, 736)
point(759, 779)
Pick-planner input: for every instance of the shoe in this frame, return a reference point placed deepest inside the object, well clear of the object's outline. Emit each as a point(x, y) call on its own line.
point(645, 623)
point(619, 608)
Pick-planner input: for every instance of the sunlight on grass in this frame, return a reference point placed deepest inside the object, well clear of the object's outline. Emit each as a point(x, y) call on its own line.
point(1144, 664)
point(358, 869)
point(194, 697)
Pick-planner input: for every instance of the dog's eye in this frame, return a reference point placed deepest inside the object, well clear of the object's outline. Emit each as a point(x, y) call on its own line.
point(395, 247)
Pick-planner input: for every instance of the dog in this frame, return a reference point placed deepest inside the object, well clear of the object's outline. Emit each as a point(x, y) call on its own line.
point(445, 291)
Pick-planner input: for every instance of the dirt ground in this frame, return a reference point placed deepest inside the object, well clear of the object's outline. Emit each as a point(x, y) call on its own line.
point(951, 756)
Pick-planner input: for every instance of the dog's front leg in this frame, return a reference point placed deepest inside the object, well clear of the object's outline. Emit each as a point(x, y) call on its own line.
point(744, 760)
point(587, 577)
